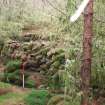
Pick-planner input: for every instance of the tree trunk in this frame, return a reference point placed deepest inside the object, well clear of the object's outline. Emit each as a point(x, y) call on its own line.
point(87, 54)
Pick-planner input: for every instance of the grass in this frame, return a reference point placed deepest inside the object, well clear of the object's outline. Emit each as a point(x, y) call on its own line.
point(5, 85)
point(37, 97)
point(32, 97)
point(12, 98)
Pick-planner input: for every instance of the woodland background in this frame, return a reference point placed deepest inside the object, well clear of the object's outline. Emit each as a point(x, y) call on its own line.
point(40, 32)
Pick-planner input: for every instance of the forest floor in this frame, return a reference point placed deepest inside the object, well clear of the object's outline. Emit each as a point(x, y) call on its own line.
point(14, 95)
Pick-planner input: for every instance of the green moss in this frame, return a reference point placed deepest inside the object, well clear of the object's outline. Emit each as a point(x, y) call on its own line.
point(37, 97)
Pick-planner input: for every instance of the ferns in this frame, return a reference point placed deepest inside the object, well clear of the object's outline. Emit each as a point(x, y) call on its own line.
point(13, 65)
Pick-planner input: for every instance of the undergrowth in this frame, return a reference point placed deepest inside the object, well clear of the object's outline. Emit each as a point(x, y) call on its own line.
point(37, 97)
